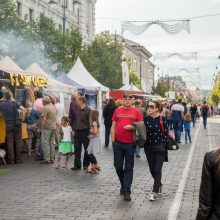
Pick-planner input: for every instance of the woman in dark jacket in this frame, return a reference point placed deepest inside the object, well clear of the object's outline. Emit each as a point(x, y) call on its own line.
point(108, 112)
point(156, 145)
point(209, 196)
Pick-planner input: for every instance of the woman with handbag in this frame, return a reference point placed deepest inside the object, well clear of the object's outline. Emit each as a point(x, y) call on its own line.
point(156, 145)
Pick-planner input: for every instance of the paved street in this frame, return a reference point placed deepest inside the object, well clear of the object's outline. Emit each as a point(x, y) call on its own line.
point(33, 191)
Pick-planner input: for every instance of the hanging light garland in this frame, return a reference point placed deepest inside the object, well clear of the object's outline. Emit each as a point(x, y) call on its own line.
point(182, 56)
point(170, 27)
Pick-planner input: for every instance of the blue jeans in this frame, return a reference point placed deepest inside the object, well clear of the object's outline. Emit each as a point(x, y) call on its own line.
point(137, 150)
point(177, 126)
point(194, 116)
point(187, 135)
point(205, 120)
point(124, 163)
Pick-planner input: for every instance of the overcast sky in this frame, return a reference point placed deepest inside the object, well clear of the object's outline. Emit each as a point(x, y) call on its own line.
point(204, 36)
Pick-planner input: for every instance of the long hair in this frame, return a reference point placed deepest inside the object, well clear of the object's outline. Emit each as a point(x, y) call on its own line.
point(217, 161)
point(94, 117)
point(111, 103)
point(188, 117)
point(158, 105)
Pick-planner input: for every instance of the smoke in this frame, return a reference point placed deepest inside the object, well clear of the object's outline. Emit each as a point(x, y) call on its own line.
point(23, 52)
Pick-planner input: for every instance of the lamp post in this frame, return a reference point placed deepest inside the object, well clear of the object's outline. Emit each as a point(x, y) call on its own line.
point(64, 7)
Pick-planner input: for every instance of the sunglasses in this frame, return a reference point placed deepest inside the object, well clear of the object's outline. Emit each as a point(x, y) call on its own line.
point(151, 106)
point(128, 97)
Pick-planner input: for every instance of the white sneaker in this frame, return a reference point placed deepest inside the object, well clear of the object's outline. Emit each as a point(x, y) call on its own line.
point(152, 197)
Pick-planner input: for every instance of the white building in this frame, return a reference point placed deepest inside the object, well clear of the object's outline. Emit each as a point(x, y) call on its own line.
point(79, 14)
point(139, 57)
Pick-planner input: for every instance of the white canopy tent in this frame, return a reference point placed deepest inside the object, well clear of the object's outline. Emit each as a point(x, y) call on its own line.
point(54, 87)
point(53, 84)
point(130, 87)
point(9, 66)
point(79, 74)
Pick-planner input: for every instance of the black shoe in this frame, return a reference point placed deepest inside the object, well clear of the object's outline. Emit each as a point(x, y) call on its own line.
point(106, 146)
point(127, 196)
point(122, 191)
point(75, 168)
point(179, 142)
point(138, 156)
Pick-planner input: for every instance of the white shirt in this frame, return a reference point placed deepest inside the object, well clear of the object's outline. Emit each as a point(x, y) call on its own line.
point(67, 133)
point(177, 107)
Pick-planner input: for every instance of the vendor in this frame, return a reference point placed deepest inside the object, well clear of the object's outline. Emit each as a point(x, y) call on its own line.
point(10, 110)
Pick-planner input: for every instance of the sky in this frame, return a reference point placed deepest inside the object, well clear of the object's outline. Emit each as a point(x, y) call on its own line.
point(204, 37)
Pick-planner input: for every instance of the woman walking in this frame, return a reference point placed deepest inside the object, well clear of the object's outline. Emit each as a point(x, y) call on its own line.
point(108, 112)
point(209, 196)
point(156, 145)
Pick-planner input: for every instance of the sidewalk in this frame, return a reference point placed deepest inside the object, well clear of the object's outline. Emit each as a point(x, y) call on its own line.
point(34, 191)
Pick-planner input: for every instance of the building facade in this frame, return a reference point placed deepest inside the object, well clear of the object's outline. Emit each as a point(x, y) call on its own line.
point(79, 14)
point(139, 58)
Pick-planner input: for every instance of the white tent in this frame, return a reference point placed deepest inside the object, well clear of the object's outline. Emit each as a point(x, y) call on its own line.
point(9, 66)
point(130, 87)
point(53, 84)
point(79, 74)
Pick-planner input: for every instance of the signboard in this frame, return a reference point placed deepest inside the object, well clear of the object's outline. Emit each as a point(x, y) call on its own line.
point(26, 80)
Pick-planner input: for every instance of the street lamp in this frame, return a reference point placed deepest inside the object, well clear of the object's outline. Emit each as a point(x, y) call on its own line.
point(76, 3)
point(64, 6)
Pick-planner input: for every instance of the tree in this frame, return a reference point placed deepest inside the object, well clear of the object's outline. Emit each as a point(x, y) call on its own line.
point(133, 78)
point(102, 58)
point(161, 89)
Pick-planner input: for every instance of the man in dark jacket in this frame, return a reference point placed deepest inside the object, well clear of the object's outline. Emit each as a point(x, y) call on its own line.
point(205, 112)
point(108, 112)
point(9, 108)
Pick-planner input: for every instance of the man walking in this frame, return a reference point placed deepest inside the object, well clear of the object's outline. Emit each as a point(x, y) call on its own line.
point(122, 134)
point(205, 112)
point(48, 130)
point(81, 127)
point(177, 112)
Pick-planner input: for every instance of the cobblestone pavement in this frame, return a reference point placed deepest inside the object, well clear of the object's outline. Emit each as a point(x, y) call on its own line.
point(33, 191)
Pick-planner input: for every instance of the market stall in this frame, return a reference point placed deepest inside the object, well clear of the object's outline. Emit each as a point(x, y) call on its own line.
point(54, 87)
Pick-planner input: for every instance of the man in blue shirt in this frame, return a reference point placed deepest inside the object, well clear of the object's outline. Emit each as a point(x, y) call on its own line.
point(177, 113)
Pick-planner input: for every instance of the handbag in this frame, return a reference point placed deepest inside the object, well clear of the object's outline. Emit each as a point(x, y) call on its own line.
point(18, 120)
point(172, 145)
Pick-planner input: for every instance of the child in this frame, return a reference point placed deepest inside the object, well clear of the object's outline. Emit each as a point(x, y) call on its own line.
point(94, 144)
point(187, 122)
point(66, 146)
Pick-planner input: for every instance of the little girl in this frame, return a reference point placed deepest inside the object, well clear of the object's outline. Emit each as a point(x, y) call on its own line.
point(94, 144)
point(187, 122)
point(66, 146)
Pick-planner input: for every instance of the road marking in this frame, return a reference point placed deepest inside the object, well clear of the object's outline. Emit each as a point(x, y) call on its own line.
point(174, 209)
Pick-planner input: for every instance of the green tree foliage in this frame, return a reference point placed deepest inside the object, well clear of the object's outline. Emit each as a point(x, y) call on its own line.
point(161, 89)
point(102, 58)
point(133, 78)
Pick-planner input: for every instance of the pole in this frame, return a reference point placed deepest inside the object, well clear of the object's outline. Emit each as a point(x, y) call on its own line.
point(140, 71)
point(64, 16)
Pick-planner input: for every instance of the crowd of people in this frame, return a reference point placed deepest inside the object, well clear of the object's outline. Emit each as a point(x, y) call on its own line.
point(132, 125)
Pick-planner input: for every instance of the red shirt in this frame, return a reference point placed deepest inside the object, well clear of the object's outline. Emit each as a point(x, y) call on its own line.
point(123, 116)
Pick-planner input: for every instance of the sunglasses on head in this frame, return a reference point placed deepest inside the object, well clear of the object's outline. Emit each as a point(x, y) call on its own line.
point(151, 106)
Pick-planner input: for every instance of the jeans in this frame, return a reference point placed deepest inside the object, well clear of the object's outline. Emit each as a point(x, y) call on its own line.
point(107, 134)
point(124, 163)
point(47, 143)
point(177, 126)
point(14, 135)
point(81, 138)
point(205, 120)
point(155, 162)
point(194, 116)
point(187, 135)
point(137, 150)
